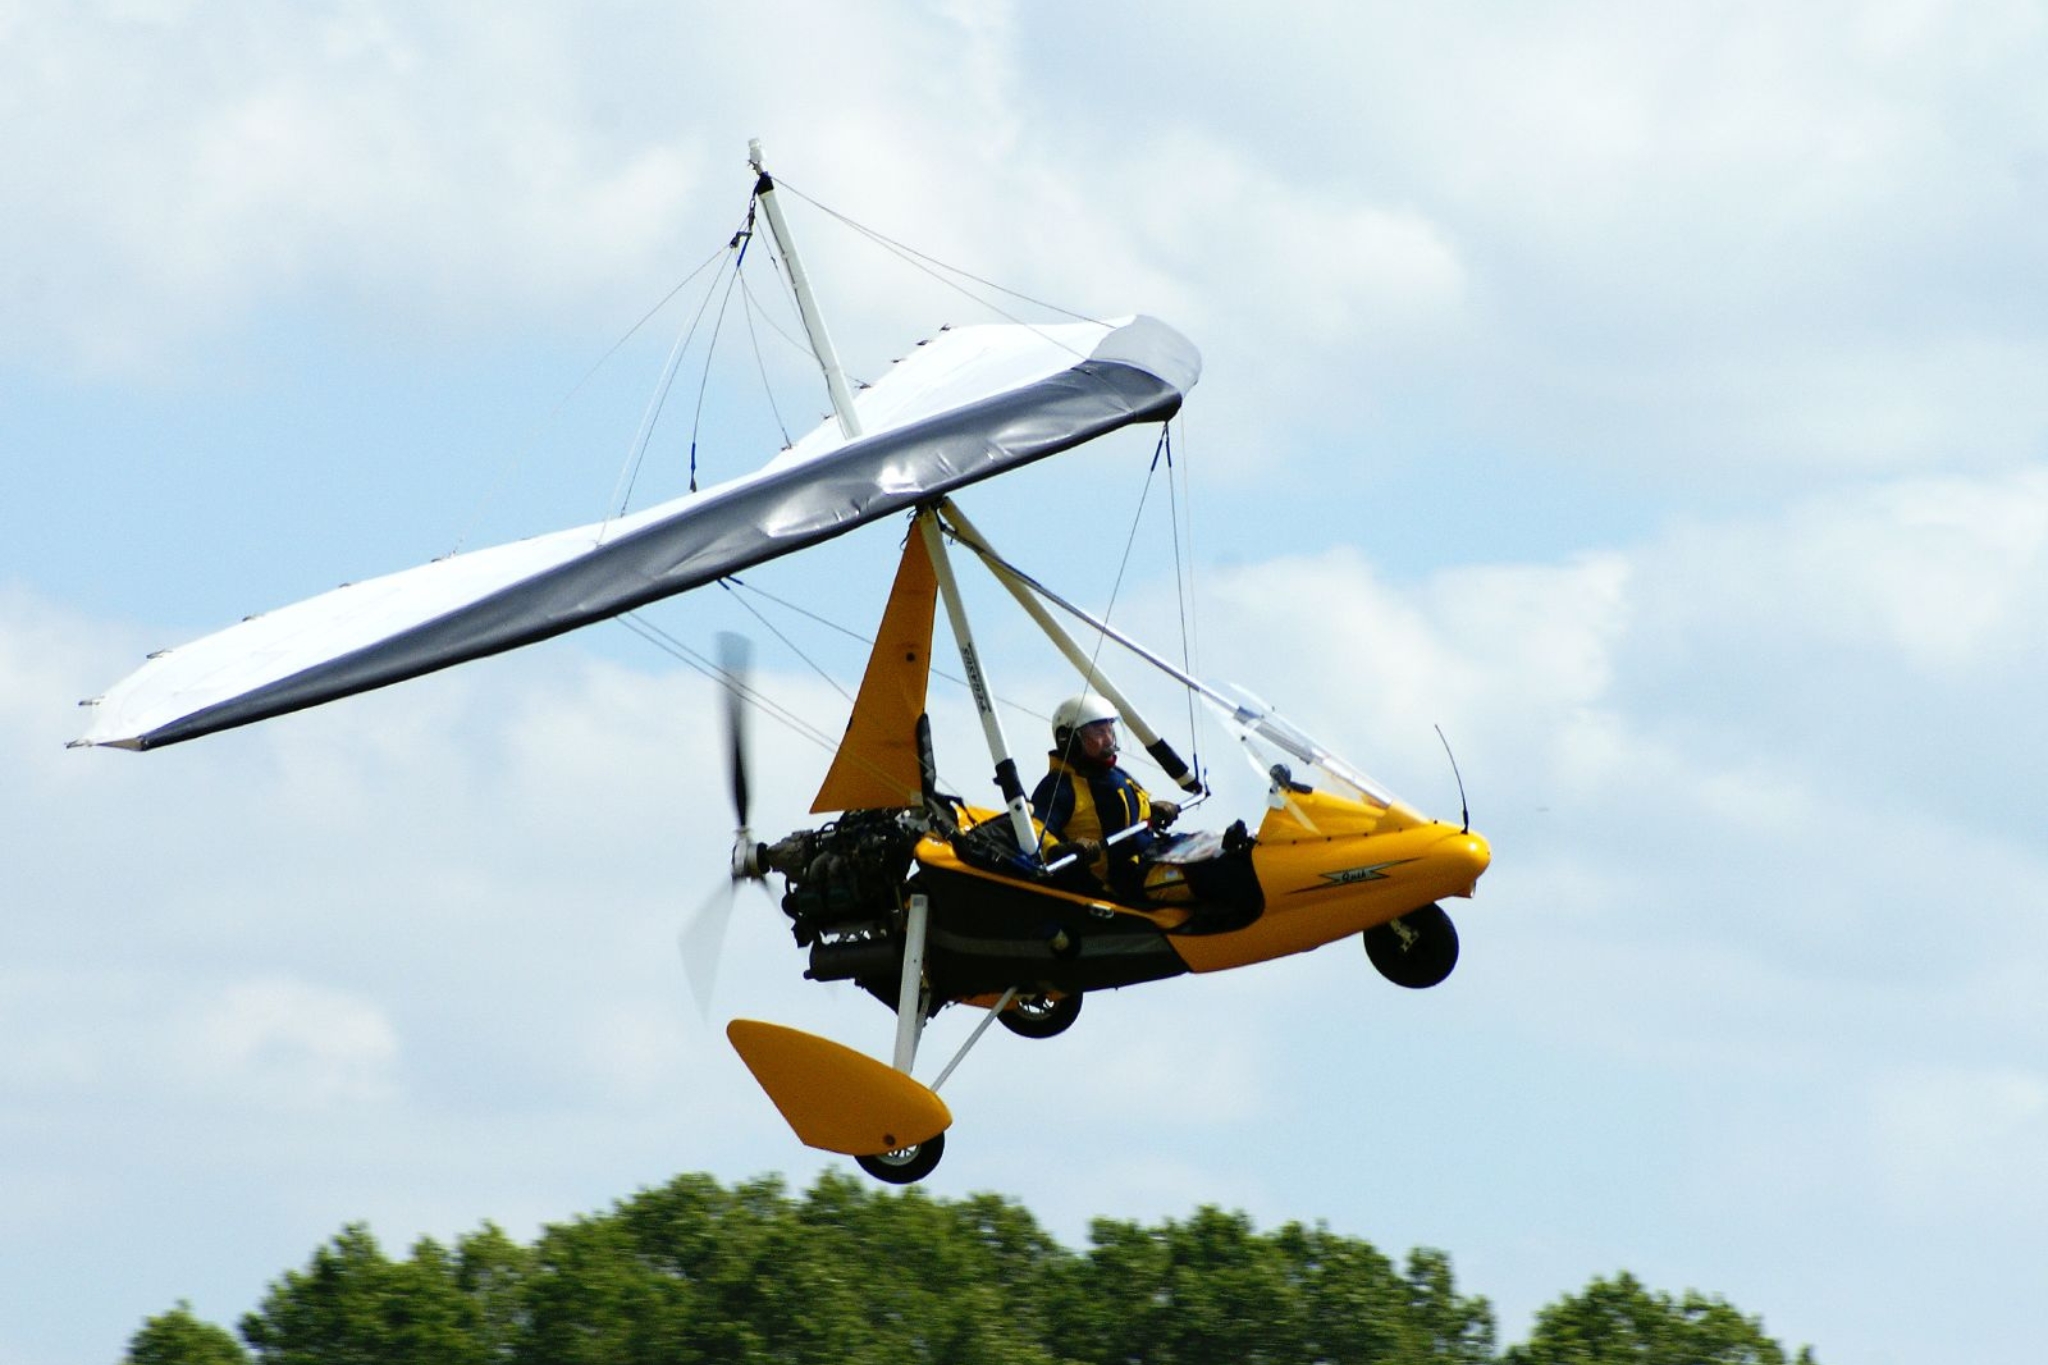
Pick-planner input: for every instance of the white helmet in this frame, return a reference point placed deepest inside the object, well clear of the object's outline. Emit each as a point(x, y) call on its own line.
point(1075, 712)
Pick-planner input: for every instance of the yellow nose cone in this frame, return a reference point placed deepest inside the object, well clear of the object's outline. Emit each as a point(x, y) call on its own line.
point(1466, 850)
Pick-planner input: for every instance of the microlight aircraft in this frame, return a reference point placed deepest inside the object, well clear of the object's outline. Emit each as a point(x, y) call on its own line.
point(921, 898)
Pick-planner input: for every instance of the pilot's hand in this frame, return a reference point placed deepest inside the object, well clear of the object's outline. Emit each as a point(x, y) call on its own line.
point(1164, 813)
point(1085, 850)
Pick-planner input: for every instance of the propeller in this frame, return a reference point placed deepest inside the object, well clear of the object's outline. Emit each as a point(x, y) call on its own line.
point(735, 662)
point(702, 940)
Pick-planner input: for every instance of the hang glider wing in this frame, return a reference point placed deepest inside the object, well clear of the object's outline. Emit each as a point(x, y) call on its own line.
point(968, 405)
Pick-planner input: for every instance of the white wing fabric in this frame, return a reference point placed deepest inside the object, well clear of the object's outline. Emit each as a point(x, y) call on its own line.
point(970, 404)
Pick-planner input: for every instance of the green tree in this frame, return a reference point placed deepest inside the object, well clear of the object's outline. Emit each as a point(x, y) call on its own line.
point(352, 1306)
point(1115, 1308)
point(866, 1275)
point(1619, 1322)
point(178, 1338)
point(1444, 1324)
point(1354, 1305)
point(1212, 1289)
point(1229, 1296)
point(593, 1300)
point(852, 1274)
point(491, 1271)
point(692, 1272)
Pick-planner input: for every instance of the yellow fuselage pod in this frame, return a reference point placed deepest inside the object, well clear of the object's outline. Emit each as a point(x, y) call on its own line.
point(1330, 866)
point(937, 853)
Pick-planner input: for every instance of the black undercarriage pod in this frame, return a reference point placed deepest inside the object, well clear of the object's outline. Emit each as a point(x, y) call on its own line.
point(996, 924)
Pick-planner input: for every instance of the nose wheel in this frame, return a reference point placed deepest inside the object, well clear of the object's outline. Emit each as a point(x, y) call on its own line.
point(1417, 950)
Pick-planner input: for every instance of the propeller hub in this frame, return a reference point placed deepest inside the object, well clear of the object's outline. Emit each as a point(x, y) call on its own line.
point(747, 864)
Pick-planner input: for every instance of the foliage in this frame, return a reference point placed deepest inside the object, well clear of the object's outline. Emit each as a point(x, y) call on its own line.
point(849, 1272)
point(1619, 1322)
point(1214, 1290)
point(178, 1338)
point(351, 1306)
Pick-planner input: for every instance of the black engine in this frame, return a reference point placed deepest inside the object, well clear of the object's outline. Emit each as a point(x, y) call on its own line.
point(845, 887)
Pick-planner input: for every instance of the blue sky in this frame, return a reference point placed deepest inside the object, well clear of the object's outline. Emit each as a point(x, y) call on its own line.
point(1652, 400)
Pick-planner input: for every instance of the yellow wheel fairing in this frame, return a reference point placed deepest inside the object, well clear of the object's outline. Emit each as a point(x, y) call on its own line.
point(834, 1098)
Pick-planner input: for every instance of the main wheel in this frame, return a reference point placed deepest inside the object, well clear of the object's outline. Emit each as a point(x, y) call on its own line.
point(1417, 950)
point(906, 1165)
point(1041, 1016)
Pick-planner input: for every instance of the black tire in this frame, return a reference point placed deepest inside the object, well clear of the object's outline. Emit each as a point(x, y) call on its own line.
point(1041, 1016)
point(908, 1165)
point(1417, 950)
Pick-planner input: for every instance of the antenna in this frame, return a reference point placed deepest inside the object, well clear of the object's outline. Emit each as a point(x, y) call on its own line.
point(1464, 811)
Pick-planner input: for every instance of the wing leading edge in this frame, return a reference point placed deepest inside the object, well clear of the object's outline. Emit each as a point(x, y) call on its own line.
point(972, 403)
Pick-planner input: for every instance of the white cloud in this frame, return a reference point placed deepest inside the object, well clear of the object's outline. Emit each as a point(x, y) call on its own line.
point(1527, 233)
point(1515, 660)
point(527, 831)
point(287, 1044)
point(182, 169)
point(414, 166)
point(1733, 318)
point(1962, 1136)
point(1942, 575)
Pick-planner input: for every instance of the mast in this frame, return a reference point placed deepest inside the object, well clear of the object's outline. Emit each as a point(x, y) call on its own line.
point(806, 303)
point(926, 521)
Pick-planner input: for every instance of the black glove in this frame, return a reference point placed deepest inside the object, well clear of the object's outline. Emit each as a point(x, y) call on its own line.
point(1164, 813)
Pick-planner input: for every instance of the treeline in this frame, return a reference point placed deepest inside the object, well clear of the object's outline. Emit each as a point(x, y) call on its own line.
point(849, 1273)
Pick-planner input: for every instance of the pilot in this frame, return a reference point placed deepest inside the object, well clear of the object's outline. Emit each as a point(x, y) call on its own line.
point(1086, 798)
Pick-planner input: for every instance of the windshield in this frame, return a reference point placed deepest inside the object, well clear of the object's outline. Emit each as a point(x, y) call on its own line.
point(1258, 720)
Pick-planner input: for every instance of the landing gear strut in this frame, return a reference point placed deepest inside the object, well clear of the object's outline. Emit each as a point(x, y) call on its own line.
point(1417, 950)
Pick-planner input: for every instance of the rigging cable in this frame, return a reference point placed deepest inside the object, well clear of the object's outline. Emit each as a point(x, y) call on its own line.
point(933, 266)
point(753, 696)
point(749, 694)
point(1183, 584)
point(1101, 635)
point(802, 348)
point(749, 307)
point(806, 347)
point(769, 626)
point(711, 348)
point(630, 473)
point(817, 668)
point(855, 635)
point(532, 440)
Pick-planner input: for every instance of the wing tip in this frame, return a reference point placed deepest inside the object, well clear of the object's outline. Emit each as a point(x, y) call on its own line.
point(133, 745)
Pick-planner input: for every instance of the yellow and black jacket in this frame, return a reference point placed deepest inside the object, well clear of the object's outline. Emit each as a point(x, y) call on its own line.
point(1074, 803)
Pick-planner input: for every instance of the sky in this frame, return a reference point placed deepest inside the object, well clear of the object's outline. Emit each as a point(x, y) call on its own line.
point(1648, 397)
